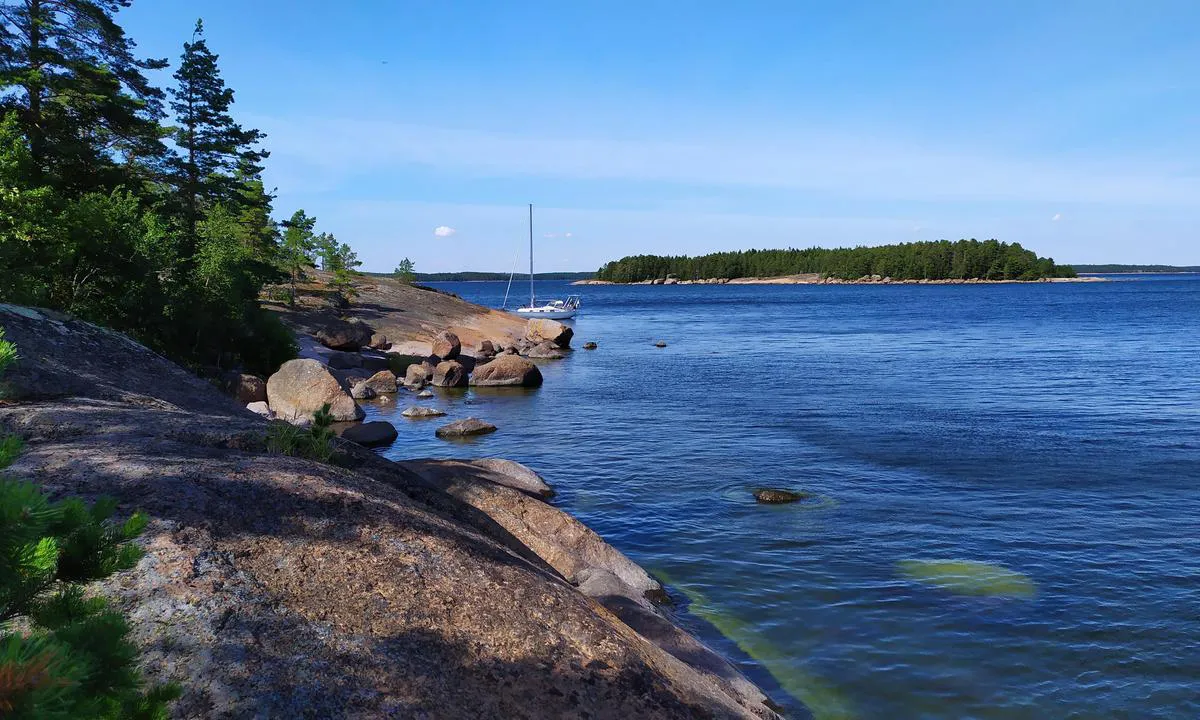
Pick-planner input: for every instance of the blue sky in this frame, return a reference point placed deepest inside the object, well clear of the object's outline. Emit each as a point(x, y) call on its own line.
point(671, 128)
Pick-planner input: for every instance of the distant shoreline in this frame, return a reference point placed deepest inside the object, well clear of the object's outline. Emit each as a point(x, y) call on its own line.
point(815, 279)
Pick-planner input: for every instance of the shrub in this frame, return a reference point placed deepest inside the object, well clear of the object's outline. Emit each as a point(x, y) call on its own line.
point(314, 442)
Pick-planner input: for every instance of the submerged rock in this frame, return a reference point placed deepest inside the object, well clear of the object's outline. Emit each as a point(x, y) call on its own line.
point(769, 496)
point(301, 387)
point(968, 577)
point(512, 474)
point(466, 428)
point(371, 434)
point(422, 412)
point(507, 371)
point(424, 394)
point(660, 344)
point(590, 346)
point(361, 391)
point(345, 360)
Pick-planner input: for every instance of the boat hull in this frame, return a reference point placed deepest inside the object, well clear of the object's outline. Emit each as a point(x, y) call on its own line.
point(546, 314)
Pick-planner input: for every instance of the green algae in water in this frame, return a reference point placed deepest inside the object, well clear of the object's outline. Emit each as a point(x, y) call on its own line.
point(969, 577)
point(820, 697)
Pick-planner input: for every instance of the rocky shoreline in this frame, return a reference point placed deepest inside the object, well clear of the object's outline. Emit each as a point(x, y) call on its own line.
point(286, 587)
point(816, 279)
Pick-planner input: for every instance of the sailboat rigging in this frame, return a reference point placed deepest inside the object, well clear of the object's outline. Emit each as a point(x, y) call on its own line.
point(554, 309)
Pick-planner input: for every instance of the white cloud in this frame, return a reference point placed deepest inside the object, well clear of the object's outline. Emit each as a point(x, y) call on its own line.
point(1056, 218)
point(443, 231)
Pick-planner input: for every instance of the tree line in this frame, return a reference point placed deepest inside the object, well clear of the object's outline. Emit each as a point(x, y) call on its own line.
point(138, 207)
point(939, 260)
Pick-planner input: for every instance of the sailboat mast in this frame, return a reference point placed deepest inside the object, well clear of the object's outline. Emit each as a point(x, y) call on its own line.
point(531, 298)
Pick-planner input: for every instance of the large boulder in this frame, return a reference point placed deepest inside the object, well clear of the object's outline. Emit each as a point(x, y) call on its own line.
point(251, 389)
point(540, 330)
point(301, 387)
point(383, 382)
point(446, 346)
point(371, 434)
point(465, 428)
point(546, 351)
point(450, 373)
point(507, 371)
point(342, 335)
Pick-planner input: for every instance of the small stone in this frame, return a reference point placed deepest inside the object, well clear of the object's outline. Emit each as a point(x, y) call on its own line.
point(422, 412)
point(424, 394)
point(660, 344)
point(260, 408)
point(361, 391)
point(590, 346)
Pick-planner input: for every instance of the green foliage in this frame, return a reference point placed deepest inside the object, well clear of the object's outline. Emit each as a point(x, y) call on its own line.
point(314, 442)
point(8, 356)
point(298, 248)
point(941, 260)
point(404, 271)
point(64, 654)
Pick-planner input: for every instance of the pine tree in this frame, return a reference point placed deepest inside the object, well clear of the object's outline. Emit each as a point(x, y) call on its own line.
point(298, 247)
point(214, 151)
point(84, 104)
point(404, 271)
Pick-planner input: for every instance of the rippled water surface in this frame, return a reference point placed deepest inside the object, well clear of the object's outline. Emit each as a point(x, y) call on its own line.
point(1050, 429)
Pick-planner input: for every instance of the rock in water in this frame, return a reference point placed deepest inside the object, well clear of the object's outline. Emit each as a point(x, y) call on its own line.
point(541, 330)
point(466, 428)
point(379, 342)
point(545, 351)
point(383, 382)
point(507, 371)
point(450, 373)
point(251, 389)
point(361, 391)
point(345, 360)
point(769, 496)
point(422, 412)
point(418, 374)
point(446, 345)
point(660, 344)
point(590, 346)
point(301, 387)
point(514, 475)
point(424, 394)
point(345, 335)
point(371, 434)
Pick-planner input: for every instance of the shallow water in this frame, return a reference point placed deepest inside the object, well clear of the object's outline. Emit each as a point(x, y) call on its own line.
point(1050, 430)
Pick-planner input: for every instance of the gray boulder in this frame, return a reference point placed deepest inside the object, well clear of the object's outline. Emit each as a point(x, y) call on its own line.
point(361, 391)
point(418, 374)
point(507, 371)
point(371, 434)
point(260, 408)
point(301, 387)
point(450, 373)
point(590, 346)
point(425, 394)
point(379, 342)
point(466, 428)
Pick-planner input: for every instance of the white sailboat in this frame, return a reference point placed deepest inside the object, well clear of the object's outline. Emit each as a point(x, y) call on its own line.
point(554, 309)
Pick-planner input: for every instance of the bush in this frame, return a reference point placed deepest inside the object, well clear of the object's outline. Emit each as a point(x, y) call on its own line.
point(63, 654)
point(268, 345)
point(314, 442)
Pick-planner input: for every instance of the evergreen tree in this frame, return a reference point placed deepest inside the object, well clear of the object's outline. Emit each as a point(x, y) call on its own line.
point(215, 152)
point(404, 271)
point(297, 251)
point(79, 90)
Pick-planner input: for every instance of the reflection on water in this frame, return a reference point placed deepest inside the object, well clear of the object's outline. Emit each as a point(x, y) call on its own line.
point(1051, 431)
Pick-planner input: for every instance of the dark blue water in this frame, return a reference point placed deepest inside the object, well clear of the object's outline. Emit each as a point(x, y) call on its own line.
point(1049, 429)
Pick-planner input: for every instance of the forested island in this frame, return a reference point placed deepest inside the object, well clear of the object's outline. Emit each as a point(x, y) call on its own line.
point(471, 276)
point(940, 260)
point(1117, 269)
